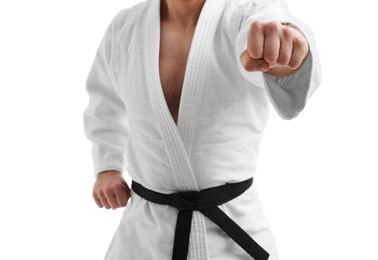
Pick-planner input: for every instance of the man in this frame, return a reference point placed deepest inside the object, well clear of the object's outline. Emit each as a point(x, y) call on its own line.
point(180, 92)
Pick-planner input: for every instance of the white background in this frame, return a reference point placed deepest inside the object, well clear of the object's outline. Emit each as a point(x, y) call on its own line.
point(316, 175)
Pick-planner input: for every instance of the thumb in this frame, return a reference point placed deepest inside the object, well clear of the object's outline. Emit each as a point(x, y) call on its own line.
point(251, 64)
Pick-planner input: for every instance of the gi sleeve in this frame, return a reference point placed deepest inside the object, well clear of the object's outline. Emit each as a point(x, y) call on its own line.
point(105, 120)
point(288, 94)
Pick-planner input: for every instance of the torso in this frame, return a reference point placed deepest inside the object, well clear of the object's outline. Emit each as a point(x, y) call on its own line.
point(173, 56)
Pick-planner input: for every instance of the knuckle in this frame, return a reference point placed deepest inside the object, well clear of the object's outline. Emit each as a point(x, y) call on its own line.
point(300, 43)
point(286, 32)
point(108, 190)
point(247, 64)
point(270, 57)
point(294, 64)
point(256, 53)
point(123, 202)
point(244, 57)
point(100, 194)
point(284, 59)
point(248, 67)
point(256, 25)
point(300, 53)
point(119, 187)
point(273, 26)
point(119, 193)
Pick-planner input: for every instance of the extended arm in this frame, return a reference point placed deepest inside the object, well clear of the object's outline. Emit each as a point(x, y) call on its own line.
point(265, 39)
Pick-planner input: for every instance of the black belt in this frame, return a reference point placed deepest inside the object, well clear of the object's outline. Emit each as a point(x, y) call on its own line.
point(205, 201)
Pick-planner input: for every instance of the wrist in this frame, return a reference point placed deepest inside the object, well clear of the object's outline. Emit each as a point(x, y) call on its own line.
point(109, 172)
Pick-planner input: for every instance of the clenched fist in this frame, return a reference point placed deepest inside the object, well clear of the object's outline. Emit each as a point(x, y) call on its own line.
point(274, 48)
point(110, 190)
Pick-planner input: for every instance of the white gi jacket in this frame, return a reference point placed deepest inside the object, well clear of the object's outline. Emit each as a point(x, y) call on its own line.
point(222, 115)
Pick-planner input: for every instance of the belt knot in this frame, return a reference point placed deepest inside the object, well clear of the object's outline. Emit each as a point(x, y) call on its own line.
point(184, 201)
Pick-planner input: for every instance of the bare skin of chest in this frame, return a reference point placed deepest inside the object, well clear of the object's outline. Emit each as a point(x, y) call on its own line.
point(173, 56)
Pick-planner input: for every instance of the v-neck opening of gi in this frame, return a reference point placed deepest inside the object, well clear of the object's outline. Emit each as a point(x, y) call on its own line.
point(179, 137)
point(187, 66)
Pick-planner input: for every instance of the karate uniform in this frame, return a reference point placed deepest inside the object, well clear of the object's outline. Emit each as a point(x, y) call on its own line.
point(222, 114)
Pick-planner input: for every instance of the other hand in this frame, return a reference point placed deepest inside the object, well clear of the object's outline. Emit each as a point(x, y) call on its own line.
point(110, 190)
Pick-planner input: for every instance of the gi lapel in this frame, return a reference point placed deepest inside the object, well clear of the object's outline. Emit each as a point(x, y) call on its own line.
point(179, 138)
point(173, 135)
